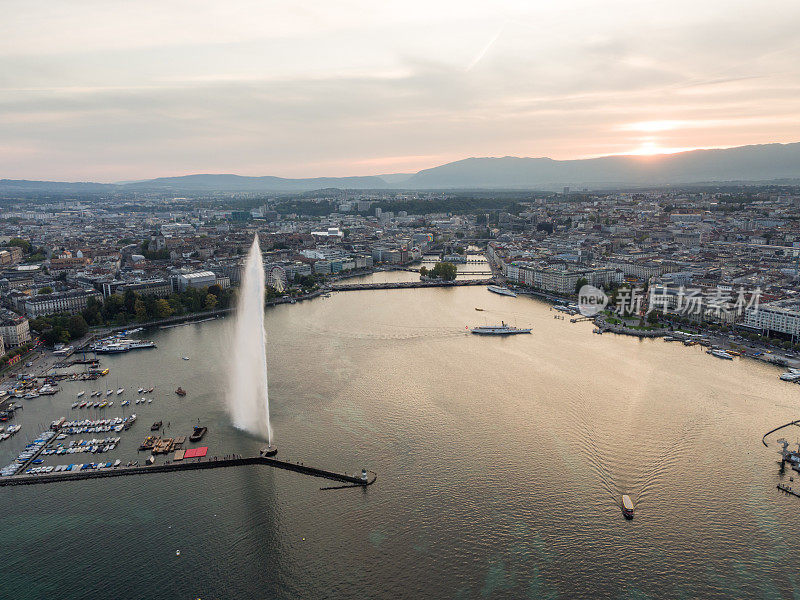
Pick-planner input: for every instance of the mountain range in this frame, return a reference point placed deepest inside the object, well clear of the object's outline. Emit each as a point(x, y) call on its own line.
point(743, 164)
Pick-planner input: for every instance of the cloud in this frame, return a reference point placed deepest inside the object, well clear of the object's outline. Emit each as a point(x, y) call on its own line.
point(118, 91)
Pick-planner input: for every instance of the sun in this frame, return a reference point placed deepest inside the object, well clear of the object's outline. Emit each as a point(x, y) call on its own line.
point(649, 149)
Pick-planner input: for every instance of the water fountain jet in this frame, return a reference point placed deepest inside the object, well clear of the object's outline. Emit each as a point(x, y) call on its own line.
point(248, 392)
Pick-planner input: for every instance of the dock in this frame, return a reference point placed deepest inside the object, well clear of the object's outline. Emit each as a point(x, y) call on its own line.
point(218, 463)
point(788, 490)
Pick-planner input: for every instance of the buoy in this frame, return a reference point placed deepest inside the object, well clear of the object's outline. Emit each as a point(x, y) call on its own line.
point(177, 552)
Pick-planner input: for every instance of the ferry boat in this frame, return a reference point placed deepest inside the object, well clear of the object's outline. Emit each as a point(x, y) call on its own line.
point(503, 291)
point(721, 354)
point(627, 506)
point(120, 345)
point(501, 329)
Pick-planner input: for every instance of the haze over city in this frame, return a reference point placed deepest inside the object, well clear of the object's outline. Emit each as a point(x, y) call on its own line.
point(111, 91)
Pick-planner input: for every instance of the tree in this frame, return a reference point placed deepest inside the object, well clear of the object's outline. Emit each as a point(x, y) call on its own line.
point(211, 301)
point(580, 283)
point(129, 301)
point(24, 244)
point(140, 310)
point(423, 271)
point(45, 290)
point(163, 308)
point(444, 270)
point(77, 327)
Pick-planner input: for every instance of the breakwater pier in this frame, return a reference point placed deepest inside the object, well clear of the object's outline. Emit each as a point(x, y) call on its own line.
point(200, 464)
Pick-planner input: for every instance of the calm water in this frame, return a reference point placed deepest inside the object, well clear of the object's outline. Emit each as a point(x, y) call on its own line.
point(500, 466)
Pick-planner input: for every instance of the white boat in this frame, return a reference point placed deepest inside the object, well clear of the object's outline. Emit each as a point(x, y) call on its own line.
point(149, 400)
point(627, 506)
point(721, 354)
point(501, 329)
point(80, 394)
point(120, 390)
point(126, 402)
point(185, 357)
point(503, 291)
point(109, 392)
point(140, 390)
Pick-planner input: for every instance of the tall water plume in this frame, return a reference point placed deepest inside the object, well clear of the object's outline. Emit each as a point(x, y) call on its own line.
point(248, 394)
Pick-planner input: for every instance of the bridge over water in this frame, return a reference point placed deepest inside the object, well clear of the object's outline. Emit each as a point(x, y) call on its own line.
point(348, 287)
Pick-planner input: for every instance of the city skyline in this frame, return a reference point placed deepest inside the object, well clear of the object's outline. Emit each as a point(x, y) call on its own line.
point(112, 92)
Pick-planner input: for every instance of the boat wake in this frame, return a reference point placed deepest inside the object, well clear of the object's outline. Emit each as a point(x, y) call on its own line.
point(634, 465)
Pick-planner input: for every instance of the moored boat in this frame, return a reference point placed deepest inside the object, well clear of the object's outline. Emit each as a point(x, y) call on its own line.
point(198, 433)
point(503, 291)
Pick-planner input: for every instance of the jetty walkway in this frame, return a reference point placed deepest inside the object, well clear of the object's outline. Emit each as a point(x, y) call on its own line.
point(188, 466)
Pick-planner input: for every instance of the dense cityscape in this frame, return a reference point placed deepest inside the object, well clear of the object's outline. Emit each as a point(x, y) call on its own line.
point(117, 261)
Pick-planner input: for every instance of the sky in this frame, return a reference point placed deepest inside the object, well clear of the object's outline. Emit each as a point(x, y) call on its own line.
point(108, 90)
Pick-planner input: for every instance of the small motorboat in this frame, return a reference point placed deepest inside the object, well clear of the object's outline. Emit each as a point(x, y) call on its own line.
point(140, 390)
point(80, 394)
point(156, 426)
point(627, 506)
point(198, 433)
point(147, 391)
point(149, 400)
point(150, 460)
point(126, 402)
point(185, 357)
point(120, 390)
point(478, 309)
point(180, 391)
